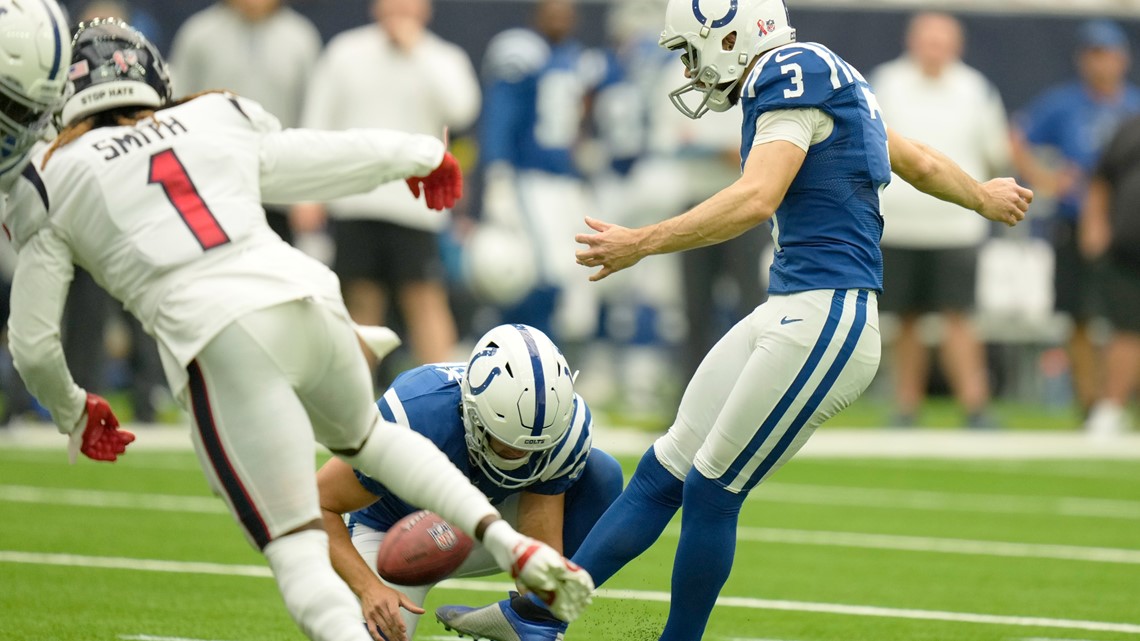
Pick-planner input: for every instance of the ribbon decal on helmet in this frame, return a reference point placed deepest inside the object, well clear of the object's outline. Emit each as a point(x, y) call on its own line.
point(495, 371)
point(719, 22)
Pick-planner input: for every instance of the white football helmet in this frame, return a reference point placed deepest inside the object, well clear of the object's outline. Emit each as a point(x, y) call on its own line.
point(518, 391)
point(499, 264)
point(35, 53)
point(699, 28)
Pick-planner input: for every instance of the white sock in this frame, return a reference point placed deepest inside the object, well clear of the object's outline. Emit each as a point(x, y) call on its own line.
point(320, 603)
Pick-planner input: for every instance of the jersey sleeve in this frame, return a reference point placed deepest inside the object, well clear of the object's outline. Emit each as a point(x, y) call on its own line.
point(261, 120)
point(39, 288)
point(801, 127)
point(794, 77)
point(300, 165)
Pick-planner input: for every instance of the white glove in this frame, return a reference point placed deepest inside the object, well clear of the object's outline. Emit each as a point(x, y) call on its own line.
point(563, 586)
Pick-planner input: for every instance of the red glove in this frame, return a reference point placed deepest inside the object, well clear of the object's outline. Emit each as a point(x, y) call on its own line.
point(101, 439)
point(442, 187)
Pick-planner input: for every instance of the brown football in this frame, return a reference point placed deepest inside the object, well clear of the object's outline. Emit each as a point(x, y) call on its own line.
point(421, 548)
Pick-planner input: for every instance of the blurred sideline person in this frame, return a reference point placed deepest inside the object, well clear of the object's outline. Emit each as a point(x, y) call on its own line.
point(930, 247)
point(815, 156)
point(1110, 232)
point(1074, 121)
point(536, 81)
point(387, 245)
point(33, 75)
point(258, 49)
point(553, 491)
point(160, 203)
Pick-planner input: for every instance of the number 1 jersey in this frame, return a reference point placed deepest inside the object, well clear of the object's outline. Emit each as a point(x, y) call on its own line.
point(166, 214)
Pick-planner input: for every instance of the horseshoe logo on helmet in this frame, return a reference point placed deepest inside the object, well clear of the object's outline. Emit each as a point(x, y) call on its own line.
point(495, 371)
point(719, 22)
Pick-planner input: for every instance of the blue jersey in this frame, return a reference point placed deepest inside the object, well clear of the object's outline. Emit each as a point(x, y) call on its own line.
point(534, 101)
point(1078, 125)
point(827, 228)
point(427, 399)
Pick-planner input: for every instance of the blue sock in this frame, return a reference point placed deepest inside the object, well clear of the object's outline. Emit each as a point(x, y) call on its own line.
point(704, 555)
point(589, 498)
point(634, 521)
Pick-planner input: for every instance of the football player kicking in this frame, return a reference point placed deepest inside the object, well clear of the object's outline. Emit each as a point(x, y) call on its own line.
point(815, 153)
point(510, 420)
point(160, 202)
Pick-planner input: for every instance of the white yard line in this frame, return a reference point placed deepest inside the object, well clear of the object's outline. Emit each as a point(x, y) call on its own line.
point(829, 442)
point(771, 492)
point(946, 501)
point(71, 560)
point(937, 545)
point(151, 637)
point(109, 499)
point(210, 505)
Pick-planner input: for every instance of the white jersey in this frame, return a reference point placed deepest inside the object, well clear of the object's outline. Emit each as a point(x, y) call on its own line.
point(166, 216)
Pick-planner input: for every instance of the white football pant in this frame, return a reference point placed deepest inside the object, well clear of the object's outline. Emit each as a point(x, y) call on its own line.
point(763, 389)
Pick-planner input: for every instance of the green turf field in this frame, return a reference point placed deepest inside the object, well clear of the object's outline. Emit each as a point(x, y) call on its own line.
point(830, 550)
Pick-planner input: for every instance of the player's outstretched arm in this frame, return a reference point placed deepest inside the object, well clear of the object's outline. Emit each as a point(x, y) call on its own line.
point(931, 172)
point(749, 201)
point(341, 493)
point(39, 288)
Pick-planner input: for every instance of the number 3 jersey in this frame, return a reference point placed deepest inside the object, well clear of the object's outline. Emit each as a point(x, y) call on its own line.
point(166, 216)
point(828, 227)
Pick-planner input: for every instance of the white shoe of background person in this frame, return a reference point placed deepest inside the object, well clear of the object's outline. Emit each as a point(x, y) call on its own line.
point(1107, 420)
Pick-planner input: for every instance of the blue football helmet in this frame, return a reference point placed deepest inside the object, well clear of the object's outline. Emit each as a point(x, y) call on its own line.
point(518, 392)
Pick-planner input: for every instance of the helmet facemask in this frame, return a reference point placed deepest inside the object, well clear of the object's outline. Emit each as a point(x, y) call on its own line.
point(715, 92)
point(719, 40)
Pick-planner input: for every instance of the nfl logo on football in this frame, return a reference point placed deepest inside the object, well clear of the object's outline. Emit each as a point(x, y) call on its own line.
point(443, 536)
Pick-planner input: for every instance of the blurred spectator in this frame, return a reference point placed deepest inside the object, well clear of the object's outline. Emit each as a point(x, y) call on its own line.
point(395, 74)
point(1074, 121)
point(537, 81)
point(259, 49)
point(136, 16)
point(930, 247)
point(1110, 231)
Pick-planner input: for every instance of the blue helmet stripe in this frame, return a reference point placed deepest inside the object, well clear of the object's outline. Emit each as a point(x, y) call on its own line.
point(56, 62)
point(719, 22)
point(539, 381)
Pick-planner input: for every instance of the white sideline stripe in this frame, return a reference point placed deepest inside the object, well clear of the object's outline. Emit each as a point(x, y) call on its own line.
point(770, 492)
point(948, 501)
point(145, 565)
point(151, 637)
point(839, 608)
point(210, 505)
point(103, 498)
point(932, 544)
point(152, 565)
